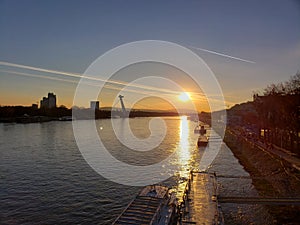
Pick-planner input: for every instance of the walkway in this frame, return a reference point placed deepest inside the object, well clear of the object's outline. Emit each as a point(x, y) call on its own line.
point(201, 206)
point(276, 151)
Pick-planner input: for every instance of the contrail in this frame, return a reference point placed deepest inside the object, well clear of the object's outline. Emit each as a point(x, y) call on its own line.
point(196, 96)
point(89, 77)
point(109, 83)
point(69, 74)
point(75, 82)
point(221, 54)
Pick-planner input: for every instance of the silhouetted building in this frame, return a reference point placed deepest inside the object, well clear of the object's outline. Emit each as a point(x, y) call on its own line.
point(94, 105)
point(49, 102)
point(34, 106)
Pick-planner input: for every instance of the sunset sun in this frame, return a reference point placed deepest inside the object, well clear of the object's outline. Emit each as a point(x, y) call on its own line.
point(184, 96)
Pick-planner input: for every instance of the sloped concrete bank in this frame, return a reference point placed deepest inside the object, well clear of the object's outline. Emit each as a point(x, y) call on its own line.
point(271, 175)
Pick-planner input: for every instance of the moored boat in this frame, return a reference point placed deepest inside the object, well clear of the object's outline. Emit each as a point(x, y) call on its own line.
point(200, 130)
point(65, 118)
point(202, 140)
point(153, 205)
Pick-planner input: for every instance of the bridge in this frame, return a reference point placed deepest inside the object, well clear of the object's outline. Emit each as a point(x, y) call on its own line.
point(124, 113)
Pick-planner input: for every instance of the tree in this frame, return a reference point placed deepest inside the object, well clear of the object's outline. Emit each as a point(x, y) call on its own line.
point(279, 112)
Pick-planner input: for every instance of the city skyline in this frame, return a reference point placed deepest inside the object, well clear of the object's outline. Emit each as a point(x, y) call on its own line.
point(45, 48)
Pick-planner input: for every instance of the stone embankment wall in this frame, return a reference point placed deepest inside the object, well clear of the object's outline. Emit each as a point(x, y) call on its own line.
point(271, 175)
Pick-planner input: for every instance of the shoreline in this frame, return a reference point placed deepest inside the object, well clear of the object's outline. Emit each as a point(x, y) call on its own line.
point(272, 176)
point(42, 119)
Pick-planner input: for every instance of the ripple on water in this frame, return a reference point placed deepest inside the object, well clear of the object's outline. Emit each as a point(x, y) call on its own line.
point(45, 180)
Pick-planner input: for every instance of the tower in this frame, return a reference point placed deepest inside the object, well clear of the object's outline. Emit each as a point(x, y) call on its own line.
point(124, 113)
point(94, 105)
point(51, 100)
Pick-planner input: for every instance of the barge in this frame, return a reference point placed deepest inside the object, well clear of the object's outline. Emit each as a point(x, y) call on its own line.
point(202, 141)
point(197, 203)
point(200, 130)
point(154, 205)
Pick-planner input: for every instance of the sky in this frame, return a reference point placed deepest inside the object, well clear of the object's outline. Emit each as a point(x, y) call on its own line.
point(45, 46)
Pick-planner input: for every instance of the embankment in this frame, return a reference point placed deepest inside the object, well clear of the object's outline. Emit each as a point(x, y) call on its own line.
point(271, 175)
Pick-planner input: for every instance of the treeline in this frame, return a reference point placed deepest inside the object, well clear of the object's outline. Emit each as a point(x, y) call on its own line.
point(13, 113)
point(291, 87)
point(24, 113)
point(18, 111)
point(278, 112)
point(151, 114)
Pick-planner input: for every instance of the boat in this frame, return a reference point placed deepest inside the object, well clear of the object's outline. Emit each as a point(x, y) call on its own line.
point(65, 118)
point(200, 130)
point(154, 205)
point(33, 119)
point(202, 141)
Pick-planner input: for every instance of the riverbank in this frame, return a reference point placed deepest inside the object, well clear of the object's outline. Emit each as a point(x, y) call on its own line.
point(272, 176)
point(20, 114)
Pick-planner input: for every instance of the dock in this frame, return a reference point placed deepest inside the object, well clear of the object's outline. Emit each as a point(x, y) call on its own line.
point(200, 204)
point(195, 202)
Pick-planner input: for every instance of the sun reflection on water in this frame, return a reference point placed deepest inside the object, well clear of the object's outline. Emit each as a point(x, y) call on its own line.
point(184, 154)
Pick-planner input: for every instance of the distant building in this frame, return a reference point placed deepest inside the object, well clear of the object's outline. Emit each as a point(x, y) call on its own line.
point(48, 102)
point(94, 105)
point(34, 106)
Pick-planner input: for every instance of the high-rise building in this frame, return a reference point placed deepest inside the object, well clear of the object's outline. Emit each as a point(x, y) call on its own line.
point(94, 105)
point(48, 102)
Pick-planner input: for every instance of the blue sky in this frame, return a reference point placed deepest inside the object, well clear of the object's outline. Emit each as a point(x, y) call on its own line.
point(70, 35)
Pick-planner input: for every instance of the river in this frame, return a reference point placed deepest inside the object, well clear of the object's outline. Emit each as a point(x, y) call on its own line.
point(45, 179)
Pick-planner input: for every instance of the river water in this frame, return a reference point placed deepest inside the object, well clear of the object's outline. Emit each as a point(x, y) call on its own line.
point(45, 179)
